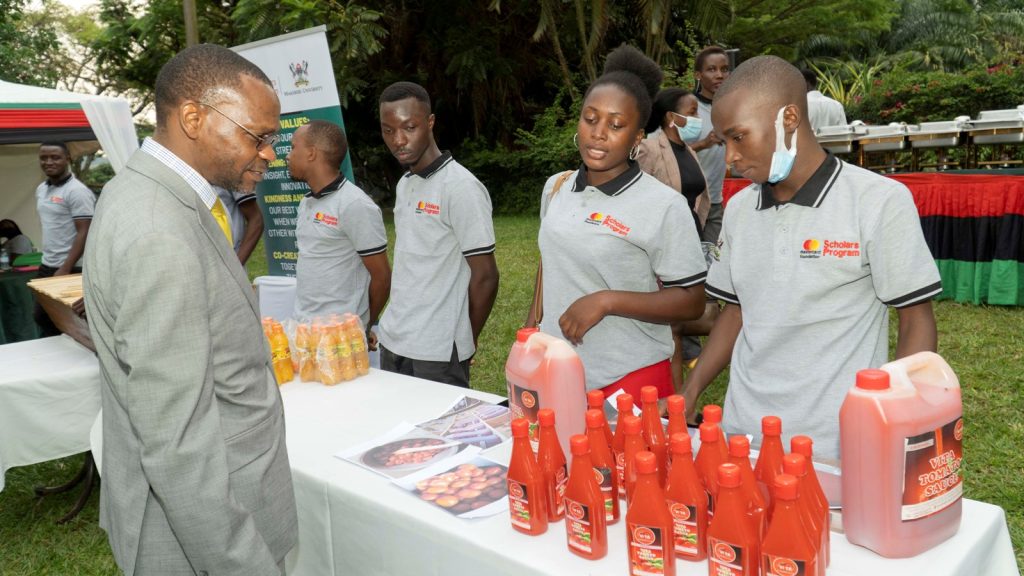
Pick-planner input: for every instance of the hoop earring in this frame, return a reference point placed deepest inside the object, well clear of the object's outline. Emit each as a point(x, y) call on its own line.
point(634, 152)
point(575, 139)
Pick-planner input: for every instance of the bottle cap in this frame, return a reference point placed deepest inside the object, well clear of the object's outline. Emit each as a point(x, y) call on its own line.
point(579, 444)
point(794, 465)
point(739, 446)
point(728, 475)
point(520, 428)
point(713, 413)
point(872, 379)
point(708, 432)
point(630, 424)
point(676, 404)
point(646, 463)
point(648, 394)
point(802, 445)
point(624, 402)
point(546, 417)
point(595, 418)
point(785, 487)
point(771, 426)
point(595, 399)
point(680, 444)
point(523, 334)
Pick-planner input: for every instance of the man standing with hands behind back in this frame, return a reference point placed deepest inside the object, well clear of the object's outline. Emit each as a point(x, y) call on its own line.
point(195, 470)
point(445, 277)
point(711, 68)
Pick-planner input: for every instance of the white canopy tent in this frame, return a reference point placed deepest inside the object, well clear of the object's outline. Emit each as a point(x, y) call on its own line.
point(30, 115)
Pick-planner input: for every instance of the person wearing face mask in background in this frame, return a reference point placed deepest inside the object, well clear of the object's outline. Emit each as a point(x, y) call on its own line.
point(666, 155)
point(813, 255)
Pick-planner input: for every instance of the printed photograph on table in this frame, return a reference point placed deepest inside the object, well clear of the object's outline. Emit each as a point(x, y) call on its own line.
point(472, 421)
point(403, 450)
point(467, 486)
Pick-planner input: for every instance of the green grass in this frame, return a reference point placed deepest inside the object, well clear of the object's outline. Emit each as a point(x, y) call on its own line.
point(984, 345)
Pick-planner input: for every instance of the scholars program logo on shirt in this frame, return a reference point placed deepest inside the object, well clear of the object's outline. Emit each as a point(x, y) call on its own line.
point(599, 219)
point(814, 248)
point(427, 208)
point(325, 219)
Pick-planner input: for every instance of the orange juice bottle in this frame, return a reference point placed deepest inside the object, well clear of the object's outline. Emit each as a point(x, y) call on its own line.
point(633, 444)
point(709, 457)
point(739, 454)
point(526, 494)
point(282, 354)
point(769, 459)
point(604, 463)
point(789, 547)
point(803, 445)
point(543, 371)
point(653, 432)
point(649, 524)
point(733, 546)
point(795, 465)
point(327, 357)
point(624, 403)
point(687, 501)
point(268, 326)
point(306, 353)
point(595, 401)
point(316, 333)
point(586, 528)
point(346, 359)
point(713, 415)
point(552, 463)
point(357, 340)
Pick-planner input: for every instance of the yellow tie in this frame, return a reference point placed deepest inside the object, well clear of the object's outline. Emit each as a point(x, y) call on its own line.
point(221, 216)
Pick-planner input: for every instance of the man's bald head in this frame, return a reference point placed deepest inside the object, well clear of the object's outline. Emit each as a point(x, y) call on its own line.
point(767, 81)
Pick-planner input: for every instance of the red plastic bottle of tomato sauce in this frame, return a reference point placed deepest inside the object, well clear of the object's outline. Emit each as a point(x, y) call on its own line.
point(585, 527)
point(676, 417)
point(789, 548)
point(552, 463)
point(649, 524)
point(769, 459)
point(707, 461)
point(796, 466)
point(733, 546)
point(624, 403)
point(687, 501)
point(604, 464)
point(633, 444)
point(804, 446)
point(739, 454)
point(595, 401)
point(652, 430)
point(526, 495)
point(713, 415)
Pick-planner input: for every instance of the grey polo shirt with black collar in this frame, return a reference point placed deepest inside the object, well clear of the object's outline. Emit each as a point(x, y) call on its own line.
point(631, 234)
point(814, 278)
point(442, 217)
point(335, 228)
point(59, 205)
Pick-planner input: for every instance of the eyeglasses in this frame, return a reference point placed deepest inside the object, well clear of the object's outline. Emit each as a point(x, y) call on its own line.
point(261, 141)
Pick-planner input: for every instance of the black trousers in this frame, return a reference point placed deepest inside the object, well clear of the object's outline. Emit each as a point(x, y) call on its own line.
point(451, 372)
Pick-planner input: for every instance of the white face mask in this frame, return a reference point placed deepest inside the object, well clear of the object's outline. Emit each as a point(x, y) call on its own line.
point(782, 158)
point(689, 133)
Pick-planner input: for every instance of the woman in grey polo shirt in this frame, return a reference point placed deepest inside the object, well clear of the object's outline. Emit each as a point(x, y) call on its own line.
point(620, 251)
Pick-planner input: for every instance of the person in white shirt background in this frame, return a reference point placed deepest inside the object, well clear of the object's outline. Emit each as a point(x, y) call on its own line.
point(822, 110)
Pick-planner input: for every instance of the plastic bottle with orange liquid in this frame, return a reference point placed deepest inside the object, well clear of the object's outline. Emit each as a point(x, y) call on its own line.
point(712, 414)
point(709, 457)
point(281, 354)
point(649, 524)
point(633, 444)
point(816, 519)
point(769, 458)
point(624, 404)
point(739, 454)
point(804, 446)
point(526, 494)
point(676, 407)
point(604, 464)
point(357, 340)
point(552, 463)
point(585, 525)
point(687, 501)
point(789, 548)
point(595, 401)
point(733, 545)
point(327, 365)
point(652, 430)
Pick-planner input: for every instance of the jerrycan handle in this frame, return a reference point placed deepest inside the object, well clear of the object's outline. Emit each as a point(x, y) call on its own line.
point(923, 367)
point(549, 346)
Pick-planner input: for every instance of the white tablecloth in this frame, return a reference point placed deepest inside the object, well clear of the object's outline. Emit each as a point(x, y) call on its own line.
point(49, 397)
point(352, 521)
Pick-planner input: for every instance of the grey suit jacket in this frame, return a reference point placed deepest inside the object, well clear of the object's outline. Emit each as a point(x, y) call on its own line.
point(195, 470)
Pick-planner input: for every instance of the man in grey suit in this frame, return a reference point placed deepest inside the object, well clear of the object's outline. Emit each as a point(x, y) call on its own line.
point(195, 470)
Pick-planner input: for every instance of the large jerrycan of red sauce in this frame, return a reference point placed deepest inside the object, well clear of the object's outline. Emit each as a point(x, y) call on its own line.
point(543, 371)
point(901, 429)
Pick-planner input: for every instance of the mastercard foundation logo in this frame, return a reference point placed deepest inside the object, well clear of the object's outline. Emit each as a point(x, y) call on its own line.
point(812, 245)
point(595, 218)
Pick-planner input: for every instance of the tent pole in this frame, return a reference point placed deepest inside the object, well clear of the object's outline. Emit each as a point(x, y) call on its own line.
point(191, 24)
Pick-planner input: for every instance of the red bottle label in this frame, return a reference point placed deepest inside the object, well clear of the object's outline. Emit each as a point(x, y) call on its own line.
point(684, 527)
point(519, 505)
point(932, 480)
point(561, 481)
point(782, 566)
point(725, 558)
point(646, 550)
point(620, 472)
point(578, 526)
point(525, 403)
point(604, 478)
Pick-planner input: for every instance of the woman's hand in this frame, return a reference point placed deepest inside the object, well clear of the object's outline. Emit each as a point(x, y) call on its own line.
point(583, 315)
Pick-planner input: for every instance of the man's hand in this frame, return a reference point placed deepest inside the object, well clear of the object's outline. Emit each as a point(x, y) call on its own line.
point(79, 307)
point(64, 269)
point(371, 340)
point(583, 315)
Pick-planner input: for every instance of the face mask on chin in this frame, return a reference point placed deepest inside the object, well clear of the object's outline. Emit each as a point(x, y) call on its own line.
point(782, 158)
point(691, 132)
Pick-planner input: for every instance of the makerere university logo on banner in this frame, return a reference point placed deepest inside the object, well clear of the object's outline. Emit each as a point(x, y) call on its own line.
point(300, 73)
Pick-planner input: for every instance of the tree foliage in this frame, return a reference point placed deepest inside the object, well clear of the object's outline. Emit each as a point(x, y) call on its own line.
point(25, 47)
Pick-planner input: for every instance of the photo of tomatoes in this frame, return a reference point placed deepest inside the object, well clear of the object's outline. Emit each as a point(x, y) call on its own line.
point(408, 453)
point(465, 487)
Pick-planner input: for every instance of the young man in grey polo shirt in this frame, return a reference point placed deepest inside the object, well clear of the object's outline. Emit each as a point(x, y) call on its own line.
point(808, 266)
point(343, 261)
point(65, 208)
point(711, 67)
point(445, 276)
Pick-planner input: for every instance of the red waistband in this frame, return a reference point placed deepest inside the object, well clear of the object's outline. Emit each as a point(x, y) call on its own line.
point(658, 375)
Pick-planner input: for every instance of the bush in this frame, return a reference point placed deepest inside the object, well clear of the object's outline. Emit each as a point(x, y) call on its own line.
point(935, 96)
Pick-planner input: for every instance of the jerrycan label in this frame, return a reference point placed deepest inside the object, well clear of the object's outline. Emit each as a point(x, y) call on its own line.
point(646, 550)
point(604, 480)
point(782, 566)
point(525, 403)
point(578, 526)
point(725, 558)
point(931, 480)
point(519, 504)
point(684, 526)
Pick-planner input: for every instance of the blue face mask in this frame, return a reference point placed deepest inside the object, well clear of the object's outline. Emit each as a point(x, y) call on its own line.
point(782, 158)
point(691, 132)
